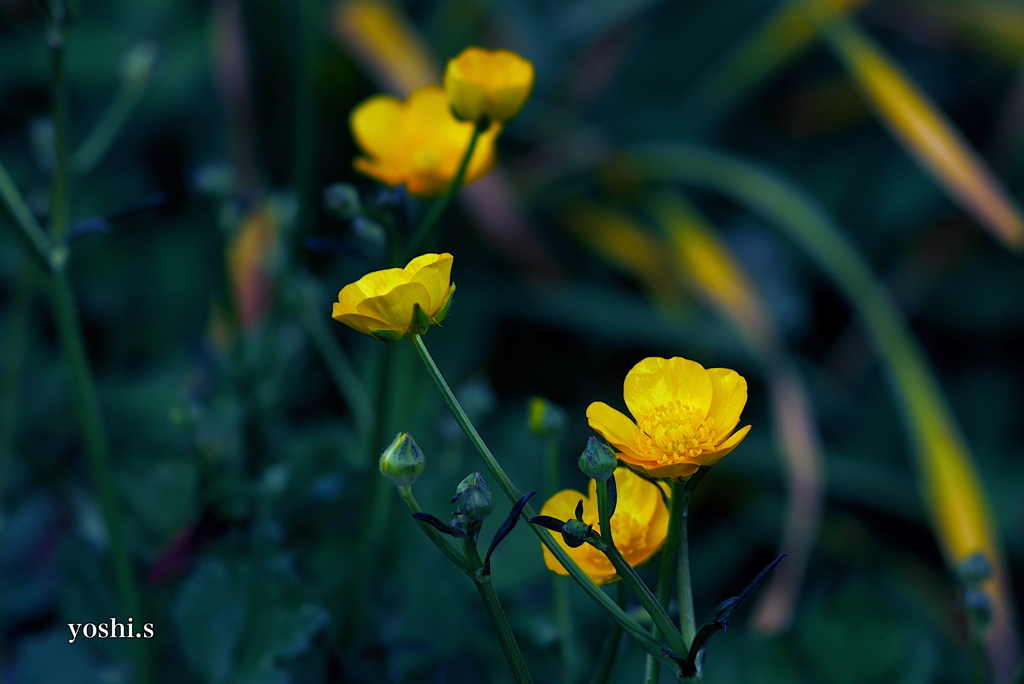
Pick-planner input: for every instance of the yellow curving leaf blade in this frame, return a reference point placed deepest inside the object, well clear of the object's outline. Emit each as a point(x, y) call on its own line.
point(382, 39)
point(922, 129)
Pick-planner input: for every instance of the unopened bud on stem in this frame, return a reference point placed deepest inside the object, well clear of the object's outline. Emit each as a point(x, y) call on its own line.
point(402, 462)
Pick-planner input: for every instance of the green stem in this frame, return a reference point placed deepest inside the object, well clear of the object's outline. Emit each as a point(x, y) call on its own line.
point(133, 85)
point(343, 373)
point(66, 314)
point(610, 650)
point(437, 208)
point(59, 207)
point(629, 575)
point(687, 614)
point(376, 504)
point(506, 637)
point(439, 541)
point(667, 568)
point(629, 625)
point(29, 230)
point(563, 604)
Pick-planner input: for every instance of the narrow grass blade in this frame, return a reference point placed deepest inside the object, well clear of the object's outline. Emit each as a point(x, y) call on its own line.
point(949, 480)
point(779, 39)
point(382, 39)
point(926, 134)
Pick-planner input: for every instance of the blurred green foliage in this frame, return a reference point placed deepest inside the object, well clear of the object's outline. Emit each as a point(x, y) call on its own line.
point(240, 469)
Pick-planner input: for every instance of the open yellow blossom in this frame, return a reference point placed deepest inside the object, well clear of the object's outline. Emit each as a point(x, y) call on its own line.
point(418, 142)
point(485, 85)
point(390, 304)
point(685, 417)
point(639, 525)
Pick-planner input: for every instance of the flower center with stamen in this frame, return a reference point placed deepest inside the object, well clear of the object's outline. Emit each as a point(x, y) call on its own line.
point(674, 432)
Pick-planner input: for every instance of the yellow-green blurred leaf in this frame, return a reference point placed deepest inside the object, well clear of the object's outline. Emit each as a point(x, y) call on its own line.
point(936, 145)
point(950, 483)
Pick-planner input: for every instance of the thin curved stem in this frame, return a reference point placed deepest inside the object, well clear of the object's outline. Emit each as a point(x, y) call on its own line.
point(506, 637)
point(439, 541)
point(629, 575)
point(629, 625)
point(438, 207)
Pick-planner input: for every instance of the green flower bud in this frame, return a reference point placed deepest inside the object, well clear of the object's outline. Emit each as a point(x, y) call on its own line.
point(475, 503)
point(546, 419)
point(598, 460)
point(576, 533)
point(471, 480)
point(460, 527)
point(402, 462)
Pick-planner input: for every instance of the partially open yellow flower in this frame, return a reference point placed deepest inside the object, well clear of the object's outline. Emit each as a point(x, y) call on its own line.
point(685, 416)
point(639, 525)
point(418, 142)
point(486, 85)
point(390, 304)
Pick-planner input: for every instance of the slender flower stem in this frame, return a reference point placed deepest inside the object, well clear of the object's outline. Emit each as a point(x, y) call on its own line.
point(438, 207)
point(610, 650)
point(629, 625)
point(376, 503)
point(505, 635)
point(29, 230)
point(342, 371)
point(629, 575)
point(439, 541)
point(59, 210)
point(667, 569)
point(563, 603)
point(687, 617)
point(97, 449)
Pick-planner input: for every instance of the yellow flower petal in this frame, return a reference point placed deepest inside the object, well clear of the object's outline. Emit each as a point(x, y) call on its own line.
point(363, 324)
point(482, 84)
point(655, 382)
point(434, 272)
point(418, 142)
point(619, 430)
point(386, 300)
point(640, 525)
point(713, 457)
point(396, 307)
point(728, 400)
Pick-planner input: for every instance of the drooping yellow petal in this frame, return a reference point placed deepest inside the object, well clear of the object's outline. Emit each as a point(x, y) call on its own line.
point(713, 457)
point(374, 124)
point(619, 430)
point(655, 382)
point(925, 132)
point(364, 324)
point(730, 396)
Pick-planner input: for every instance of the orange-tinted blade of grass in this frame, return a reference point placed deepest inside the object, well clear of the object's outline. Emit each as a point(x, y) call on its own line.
point(950, 483)
point(382, 39)
point(926, 134)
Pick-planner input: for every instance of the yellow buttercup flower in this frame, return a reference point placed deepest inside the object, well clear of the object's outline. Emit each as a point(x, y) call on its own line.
point(639, 525)
point(390, 304)
point(685, 416)
point(485, 85)
point(418, 142)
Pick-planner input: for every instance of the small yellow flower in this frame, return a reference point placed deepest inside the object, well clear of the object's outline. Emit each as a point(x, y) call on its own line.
point(639, 525)
point(418, 142)
point(487, 86)
point(685, 416)
point(391, 303)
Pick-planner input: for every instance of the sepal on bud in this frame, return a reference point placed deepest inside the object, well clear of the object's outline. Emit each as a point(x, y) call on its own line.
point(402, 462)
